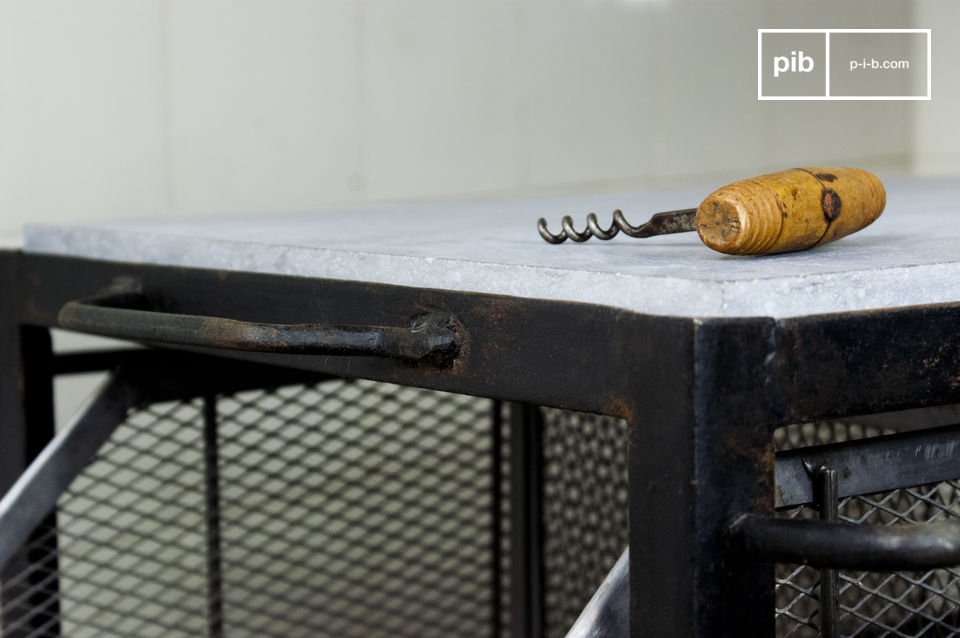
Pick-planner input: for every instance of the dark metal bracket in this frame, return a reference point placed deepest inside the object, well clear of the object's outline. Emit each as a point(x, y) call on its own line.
point(867, 466)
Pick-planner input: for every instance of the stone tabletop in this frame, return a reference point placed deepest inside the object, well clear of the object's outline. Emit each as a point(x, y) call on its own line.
point(911, 255)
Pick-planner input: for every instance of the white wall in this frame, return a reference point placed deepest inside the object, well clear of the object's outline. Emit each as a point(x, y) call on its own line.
point(146, 107)
point(81, 109)
point(936, 130)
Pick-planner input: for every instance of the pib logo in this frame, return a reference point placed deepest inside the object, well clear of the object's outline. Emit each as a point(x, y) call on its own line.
point(791, 64)
point(796, 62)
point(843, 64)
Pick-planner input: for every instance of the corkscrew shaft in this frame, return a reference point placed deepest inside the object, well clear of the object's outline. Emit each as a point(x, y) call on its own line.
point(666, 223)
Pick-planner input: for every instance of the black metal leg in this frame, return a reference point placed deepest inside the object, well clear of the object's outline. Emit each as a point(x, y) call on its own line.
point(30, 600)
point(699, 455)
point(526, 522)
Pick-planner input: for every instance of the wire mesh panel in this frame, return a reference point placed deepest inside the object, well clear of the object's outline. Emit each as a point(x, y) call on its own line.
point(341, 509)
point(872, 603)
point(352, 508)
point(585, 509)
point(129, 540)
point(356, 509)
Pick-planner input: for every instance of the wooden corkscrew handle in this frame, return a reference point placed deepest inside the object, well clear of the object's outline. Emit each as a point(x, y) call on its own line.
point(790, 210)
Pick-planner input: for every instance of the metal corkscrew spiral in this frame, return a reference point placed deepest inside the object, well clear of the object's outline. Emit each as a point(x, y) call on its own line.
point(678, 221)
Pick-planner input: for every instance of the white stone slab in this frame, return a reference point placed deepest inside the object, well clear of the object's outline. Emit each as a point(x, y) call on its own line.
point(910, 256)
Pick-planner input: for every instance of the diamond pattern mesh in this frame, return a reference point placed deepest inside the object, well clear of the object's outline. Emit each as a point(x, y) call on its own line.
point(346, 509)
point(130, 532)
point(367, 509)
point(356, 511)
point(872, 603)
point(585, 509)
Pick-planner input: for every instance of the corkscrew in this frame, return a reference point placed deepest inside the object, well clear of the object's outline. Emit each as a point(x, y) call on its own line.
point(780, 212)
point(675, 221)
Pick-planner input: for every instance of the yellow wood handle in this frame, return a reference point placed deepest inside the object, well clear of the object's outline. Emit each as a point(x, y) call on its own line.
point(790, 210)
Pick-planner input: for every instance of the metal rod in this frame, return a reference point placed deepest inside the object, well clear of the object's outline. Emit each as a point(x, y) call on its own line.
point(847, 546)
point(526, 521)
point(35, 493)
point(95, 360)
point(211, 475)
point(607, 615)
point(127, 315)
point(826, 481)
point(496, 515)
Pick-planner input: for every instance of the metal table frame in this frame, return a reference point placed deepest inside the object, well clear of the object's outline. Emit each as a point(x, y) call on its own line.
point(702, 397)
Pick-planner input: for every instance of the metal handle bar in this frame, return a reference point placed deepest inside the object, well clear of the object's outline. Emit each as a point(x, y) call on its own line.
point(847, 546)
point(431, 337)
